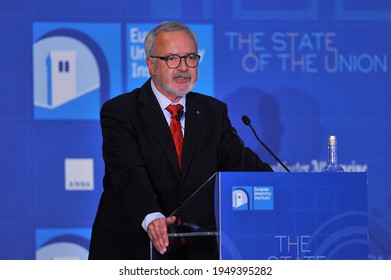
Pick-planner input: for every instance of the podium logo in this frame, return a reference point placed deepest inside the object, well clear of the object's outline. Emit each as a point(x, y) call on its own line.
point(240, 199)
point(62, 244)
point(79, 174)
point(253, 198)
point(71, 68)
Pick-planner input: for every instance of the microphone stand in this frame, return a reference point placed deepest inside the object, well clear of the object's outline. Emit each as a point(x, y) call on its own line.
point(247, 122)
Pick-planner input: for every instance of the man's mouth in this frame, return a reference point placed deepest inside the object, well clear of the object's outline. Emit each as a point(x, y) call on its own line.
point(182, 77)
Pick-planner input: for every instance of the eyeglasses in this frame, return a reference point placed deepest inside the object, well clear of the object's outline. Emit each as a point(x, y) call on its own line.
point(173, 60)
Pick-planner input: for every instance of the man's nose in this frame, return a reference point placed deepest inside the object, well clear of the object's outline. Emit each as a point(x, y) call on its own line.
point(182, 64)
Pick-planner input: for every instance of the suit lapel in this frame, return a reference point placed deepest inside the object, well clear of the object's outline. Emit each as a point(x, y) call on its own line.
point(194, 118)
point(152, 114)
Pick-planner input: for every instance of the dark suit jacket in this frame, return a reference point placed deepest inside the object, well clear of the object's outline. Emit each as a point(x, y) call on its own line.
point(142, 173)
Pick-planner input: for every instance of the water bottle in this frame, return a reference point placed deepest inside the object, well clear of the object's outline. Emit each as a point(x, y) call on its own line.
point(332, 165)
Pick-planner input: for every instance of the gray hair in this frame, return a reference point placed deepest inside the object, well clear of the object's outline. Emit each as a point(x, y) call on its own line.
point(150, 39)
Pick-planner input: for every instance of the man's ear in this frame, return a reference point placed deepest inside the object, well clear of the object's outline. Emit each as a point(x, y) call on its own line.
point(151, 66)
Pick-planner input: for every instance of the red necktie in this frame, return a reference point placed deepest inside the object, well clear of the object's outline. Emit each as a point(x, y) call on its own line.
point(176, 130)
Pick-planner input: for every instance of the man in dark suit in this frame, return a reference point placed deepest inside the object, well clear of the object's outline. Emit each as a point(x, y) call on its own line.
point(147, 175)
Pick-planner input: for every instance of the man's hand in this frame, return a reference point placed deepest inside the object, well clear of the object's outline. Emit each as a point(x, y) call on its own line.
point(157, 232)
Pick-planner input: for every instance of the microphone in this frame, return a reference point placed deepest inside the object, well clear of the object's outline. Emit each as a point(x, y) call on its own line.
point(247, 122)
point(235, 132)
point(180, 115)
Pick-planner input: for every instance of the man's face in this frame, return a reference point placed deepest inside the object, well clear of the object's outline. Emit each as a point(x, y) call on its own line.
point(173, 83)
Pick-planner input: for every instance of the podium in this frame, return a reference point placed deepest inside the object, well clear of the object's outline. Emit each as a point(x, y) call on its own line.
point(289, 216)
point(292, 215)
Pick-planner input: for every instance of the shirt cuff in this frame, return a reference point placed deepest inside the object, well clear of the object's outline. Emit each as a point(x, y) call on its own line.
point(149, 218)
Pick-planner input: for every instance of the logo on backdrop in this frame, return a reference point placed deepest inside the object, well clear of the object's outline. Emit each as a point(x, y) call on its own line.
point(62, 244)
point(79, 174)
point(72, 68)
point(252, 198)
point(137, 70)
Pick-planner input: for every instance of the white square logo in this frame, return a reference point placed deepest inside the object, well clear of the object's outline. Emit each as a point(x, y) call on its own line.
point(79, 174)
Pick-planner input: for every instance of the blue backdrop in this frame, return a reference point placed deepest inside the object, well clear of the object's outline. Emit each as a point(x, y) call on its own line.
point(301, 70)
